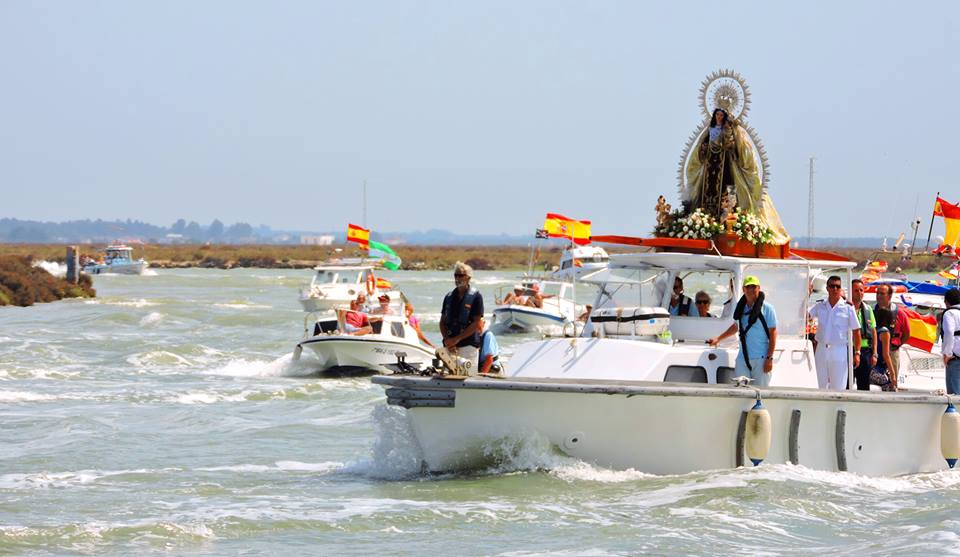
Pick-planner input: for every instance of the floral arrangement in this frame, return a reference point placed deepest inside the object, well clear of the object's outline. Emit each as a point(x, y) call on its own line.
point(695, 226)
point(751, 228)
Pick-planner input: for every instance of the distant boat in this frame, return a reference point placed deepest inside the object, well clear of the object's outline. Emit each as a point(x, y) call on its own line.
point(336, 283)
point(118, 259)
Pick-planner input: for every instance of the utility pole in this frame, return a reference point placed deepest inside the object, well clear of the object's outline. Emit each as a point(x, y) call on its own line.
point(810, 208)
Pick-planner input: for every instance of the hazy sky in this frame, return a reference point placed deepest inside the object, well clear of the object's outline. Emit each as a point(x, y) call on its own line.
point(474, 117)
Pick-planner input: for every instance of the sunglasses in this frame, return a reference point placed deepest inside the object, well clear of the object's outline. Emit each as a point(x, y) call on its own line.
point(833, 286)
point(702, 302)
point(457, 275)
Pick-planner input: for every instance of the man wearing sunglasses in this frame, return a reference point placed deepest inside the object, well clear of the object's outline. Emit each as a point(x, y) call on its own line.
point(835, 320)
point(461, 315)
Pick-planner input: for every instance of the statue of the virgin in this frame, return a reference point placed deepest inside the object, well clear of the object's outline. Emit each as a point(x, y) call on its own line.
point(723, 157)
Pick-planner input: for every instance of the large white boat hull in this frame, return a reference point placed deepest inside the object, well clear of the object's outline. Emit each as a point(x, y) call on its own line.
point(668, 428)
point(347, 354)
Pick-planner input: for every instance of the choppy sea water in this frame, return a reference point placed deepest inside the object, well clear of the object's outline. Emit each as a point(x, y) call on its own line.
point(166, 417)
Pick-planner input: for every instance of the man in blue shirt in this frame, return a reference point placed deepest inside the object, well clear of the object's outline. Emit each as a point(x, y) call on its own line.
point(757, 324)
point(460, 315)
point(489, 351)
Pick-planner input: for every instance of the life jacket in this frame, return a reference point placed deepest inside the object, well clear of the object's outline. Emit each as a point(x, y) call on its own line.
point(683, 306)
point(463, 317)
point(956, 333)
point(866, 331)
point(756, 314)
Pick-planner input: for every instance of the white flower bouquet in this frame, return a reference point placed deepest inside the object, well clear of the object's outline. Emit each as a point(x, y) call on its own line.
point(751, 228)
point(695, 226)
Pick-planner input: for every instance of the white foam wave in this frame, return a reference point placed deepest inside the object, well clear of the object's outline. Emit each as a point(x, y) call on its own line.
point(242, 305)
point(396, 454)
point(149, 273)
point(24, 396)
point(45, 480)
point(139, 303)
point(52, 267)
point(204, 397)
point(284, 366)
point(151, 319)
point(279, 466)
point(158, 358)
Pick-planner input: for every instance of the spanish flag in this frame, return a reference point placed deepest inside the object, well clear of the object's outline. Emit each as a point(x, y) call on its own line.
point(951, 219)
point(923, 329)
point(359, 235)
point(559, 226)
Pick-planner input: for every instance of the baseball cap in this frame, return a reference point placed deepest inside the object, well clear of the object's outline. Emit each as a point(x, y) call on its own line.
point(384, 297)
point(751, 281)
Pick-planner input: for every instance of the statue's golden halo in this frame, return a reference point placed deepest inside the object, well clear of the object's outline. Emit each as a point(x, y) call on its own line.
point(725, 89)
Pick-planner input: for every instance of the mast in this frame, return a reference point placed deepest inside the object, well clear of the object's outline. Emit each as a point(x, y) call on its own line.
point(915, 224)
point(930, 230)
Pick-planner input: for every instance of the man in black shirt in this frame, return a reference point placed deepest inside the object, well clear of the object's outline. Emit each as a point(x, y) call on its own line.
point(461, 314)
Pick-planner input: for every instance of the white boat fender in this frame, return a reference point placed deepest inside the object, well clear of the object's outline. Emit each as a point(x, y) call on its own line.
point(297, 352)
point(950, 435)
point(758, 432)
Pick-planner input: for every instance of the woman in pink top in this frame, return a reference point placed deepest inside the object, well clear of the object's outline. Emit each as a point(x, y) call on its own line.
point(415, 323)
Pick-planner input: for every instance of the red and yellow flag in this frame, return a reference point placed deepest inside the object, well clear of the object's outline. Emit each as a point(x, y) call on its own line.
point(951, 220)
point(359, 235)
point(923, 329)
point(559, 226)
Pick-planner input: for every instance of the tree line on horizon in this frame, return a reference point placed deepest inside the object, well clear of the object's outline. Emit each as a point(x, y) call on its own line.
point(87, 230)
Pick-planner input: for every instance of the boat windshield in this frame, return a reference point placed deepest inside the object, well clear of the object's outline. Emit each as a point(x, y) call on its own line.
point(785, 287)
point(627, 287)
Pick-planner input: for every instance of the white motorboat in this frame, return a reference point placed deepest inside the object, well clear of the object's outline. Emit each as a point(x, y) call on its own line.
point(341, 353)
point(642, 390)
point(117, 259)
point(556, 314)
point(335, 284)
point(578, 260)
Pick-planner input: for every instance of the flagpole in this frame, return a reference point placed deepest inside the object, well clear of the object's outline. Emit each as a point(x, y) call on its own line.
point(929, 232)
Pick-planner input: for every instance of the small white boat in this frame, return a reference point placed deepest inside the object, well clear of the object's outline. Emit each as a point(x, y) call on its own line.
point(340, 353)
point(627, 395)
point(337, 283)
point(118, 259)
point(581, 260)
point(556, 315)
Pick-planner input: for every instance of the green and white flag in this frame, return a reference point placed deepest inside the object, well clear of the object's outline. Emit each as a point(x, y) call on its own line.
point(385, 253)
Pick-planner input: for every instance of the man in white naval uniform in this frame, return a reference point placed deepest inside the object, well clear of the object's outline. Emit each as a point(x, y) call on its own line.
point(835, 320)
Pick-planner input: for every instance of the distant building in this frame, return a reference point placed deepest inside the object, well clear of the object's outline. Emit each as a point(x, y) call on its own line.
point(322, 240)
point(174, 239)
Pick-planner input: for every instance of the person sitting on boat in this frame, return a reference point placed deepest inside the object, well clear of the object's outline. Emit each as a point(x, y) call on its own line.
point(537, 296)
point(703, 304)
point(355, 322)
point(362, 302)
point(950, 348)
point(517, 297)
point(460, 315)
point(585, 316)
point(489, 351)
point(835, 319)
point(757, 344)
point(679, 304)
point(415, 323)
point(384, 307)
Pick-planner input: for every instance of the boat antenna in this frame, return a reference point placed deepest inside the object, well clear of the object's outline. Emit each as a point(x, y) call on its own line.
point(810, 210)
point(930, 230)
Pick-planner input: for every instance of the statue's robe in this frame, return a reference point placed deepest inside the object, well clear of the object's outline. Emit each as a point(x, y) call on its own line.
point(740, 167)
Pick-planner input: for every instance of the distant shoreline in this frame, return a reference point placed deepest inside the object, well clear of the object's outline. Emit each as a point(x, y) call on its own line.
point(230, 256)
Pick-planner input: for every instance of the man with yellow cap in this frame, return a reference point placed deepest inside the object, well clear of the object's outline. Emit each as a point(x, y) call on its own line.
point(756, 323)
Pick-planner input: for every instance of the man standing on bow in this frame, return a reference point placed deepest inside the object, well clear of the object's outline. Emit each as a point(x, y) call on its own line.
point(836, 319)
point(757, 324)
point(461, 315)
